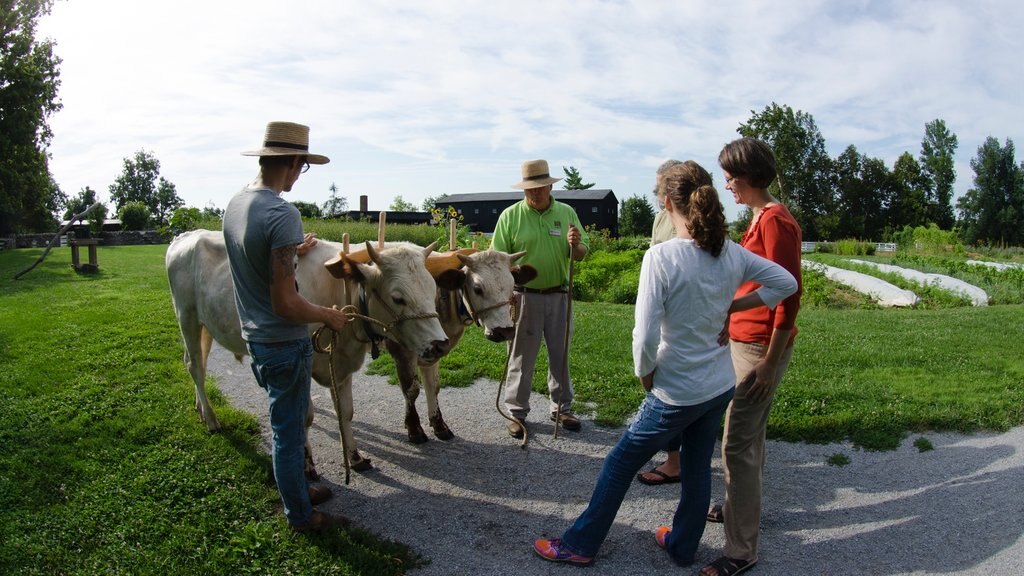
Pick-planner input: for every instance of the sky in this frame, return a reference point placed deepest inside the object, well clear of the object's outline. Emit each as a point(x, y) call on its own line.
point(418, 99)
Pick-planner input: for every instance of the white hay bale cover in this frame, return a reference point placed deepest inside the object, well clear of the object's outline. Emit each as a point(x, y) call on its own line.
point(883, 292)
point(977, 296)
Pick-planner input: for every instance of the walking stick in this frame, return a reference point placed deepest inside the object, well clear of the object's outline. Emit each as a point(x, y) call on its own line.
point(565, 342)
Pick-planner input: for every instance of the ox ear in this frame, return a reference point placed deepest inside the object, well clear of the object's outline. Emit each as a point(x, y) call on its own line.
point(523, 274)
point(450, 279)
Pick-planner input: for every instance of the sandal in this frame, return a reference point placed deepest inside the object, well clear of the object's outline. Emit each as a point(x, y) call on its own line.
point(662, 478)
point(726, 566)
point(715, 514)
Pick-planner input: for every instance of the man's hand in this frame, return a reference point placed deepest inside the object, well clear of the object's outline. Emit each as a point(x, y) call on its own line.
point(308, 241)
point(335, 318)
point(574, 236)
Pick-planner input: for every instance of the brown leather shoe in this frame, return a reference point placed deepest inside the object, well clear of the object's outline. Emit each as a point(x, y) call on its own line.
point(516, 429)
point(319, 494)
point(567, 421)
point(321, 522)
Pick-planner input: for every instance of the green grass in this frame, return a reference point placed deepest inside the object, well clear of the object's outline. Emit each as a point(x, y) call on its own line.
point(105, 468)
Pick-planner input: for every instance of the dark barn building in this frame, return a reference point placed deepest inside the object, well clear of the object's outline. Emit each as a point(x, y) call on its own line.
point(480, 210)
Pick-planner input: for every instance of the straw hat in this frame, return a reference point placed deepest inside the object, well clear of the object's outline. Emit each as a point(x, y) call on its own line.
point(535, 175)
point(287, 139)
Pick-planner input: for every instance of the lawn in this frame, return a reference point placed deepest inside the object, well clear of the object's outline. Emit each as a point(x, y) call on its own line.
point(106, 469)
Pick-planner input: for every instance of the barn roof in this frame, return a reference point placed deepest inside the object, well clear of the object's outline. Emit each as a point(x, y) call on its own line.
point(518, 195)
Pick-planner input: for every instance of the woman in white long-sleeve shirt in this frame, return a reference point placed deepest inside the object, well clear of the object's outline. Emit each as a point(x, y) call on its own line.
point(685, 295)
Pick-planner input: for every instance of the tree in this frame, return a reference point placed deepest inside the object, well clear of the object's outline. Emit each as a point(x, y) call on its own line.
point(184, 218)
point(165, 202)
point(86, 198)
point(636, 216)
point(335, 206)
point(29, 79)
point(140, 181)
point(134, 215)
point(908, 205)
point(864, 188)
point(993, 210)
point(400, 205)
point(432, 202)
point(937, 150)
point(308, 209)
point(803, 165)
point(573, 180)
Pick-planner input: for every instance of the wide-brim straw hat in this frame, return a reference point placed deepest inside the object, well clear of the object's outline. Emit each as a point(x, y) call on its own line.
point(287, 139)
point(535, 174)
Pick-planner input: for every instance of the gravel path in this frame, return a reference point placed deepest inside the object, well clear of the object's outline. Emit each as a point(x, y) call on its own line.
point(474, 504)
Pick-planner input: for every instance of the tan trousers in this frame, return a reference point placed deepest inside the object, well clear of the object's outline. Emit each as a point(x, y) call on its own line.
point(541, 316)
point(743, 455)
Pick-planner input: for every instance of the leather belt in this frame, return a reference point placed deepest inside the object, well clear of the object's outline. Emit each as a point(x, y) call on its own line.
point(552, 290)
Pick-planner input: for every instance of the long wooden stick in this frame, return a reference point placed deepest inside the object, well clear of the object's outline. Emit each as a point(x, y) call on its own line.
point(56, 239)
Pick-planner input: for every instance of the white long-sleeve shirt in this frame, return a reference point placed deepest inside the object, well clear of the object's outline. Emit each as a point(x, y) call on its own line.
point(682, 302)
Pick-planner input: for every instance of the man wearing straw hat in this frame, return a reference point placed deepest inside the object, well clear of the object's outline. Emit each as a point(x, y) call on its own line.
point(550, 233)
point(263, 235)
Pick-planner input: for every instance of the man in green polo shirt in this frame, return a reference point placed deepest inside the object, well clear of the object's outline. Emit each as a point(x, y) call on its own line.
point(549, 231)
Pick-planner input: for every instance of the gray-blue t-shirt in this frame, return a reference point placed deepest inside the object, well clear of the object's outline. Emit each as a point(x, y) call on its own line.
point(257, 221)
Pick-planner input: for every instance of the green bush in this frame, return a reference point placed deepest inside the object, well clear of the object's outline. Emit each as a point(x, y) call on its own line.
point(929, 240)
point(851, 247)
point(134, 215)
point(600, 271)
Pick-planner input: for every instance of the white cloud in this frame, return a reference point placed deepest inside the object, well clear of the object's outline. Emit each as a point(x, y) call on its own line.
point(418, 99)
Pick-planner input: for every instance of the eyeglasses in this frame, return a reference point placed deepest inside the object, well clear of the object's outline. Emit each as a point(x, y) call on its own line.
point(305, 168)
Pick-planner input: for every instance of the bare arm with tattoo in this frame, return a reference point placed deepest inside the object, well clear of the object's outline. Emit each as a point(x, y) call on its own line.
point(285, 297)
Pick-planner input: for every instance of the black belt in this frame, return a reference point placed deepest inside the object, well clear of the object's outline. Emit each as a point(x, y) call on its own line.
point(552, 290)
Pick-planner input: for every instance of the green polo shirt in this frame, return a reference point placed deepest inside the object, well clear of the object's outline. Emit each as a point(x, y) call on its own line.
point(544, 236)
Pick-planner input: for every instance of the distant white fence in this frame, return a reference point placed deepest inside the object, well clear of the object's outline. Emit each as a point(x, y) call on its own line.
point(879, 246)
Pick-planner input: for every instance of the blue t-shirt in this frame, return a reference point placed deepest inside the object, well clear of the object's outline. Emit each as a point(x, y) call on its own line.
point(256, 222)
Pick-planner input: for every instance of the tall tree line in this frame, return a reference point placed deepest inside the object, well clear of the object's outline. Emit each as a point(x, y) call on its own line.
point(29, 79)
point(856, 196)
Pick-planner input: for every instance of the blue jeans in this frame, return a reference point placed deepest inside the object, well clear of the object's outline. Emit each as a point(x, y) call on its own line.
point(653, 427)
point(284, 370)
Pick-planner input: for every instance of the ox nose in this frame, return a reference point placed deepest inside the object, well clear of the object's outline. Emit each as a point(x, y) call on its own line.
point(502, 334)
point(437, 349)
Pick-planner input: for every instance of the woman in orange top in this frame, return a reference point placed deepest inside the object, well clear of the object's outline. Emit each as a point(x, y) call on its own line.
point(762, 346)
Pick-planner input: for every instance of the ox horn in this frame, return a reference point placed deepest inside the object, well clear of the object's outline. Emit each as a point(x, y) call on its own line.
point(429, 249)
point(373, 253)
point(516, 256)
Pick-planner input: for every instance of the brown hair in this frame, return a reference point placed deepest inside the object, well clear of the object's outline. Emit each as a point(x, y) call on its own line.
point(688, 186)
point(751, 159)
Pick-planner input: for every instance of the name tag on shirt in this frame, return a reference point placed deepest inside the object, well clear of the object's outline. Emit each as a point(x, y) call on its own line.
point(555, 232)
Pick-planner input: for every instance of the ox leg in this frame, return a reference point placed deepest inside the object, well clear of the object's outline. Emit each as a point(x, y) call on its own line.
point(432, 386)
point(341, 395)
point(197, 350)
point(409, 380)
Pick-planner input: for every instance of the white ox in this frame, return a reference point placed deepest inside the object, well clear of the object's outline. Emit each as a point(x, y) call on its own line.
point(398, 293)
point(486, 280)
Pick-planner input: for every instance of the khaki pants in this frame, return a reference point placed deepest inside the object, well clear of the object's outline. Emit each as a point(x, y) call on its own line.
point(541, 316)
point(743, 455)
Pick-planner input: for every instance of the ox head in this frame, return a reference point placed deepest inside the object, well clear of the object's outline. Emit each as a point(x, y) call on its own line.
point(489, 279)
point(399, 294)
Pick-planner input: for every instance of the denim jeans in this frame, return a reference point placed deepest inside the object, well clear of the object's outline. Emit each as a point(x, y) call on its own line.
point(654, 425)
point(284, 370)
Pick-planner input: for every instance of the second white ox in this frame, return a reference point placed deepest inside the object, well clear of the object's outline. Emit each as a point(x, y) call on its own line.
point(398, 293)
point(486, 281)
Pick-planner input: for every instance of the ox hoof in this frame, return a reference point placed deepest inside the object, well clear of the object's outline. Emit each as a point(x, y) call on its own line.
point(441, 429)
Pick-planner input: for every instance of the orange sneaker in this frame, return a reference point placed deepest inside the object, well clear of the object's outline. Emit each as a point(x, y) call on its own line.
point(555, 551)
point(661, 535)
